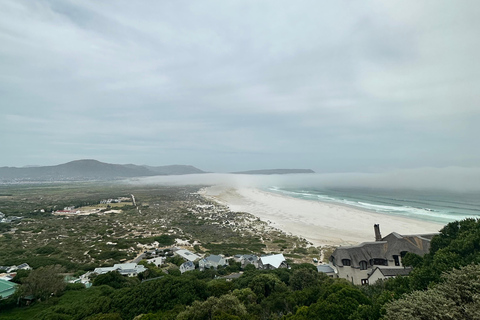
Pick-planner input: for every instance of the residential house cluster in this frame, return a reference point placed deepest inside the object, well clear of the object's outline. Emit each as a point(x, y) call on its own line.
point(117, 200)
point(7, 287)
point(5, 219)
point(214, 261)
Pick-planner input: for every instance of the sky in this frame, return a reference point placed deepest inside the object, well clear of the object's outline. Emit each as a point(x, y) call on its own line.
point(335, 86)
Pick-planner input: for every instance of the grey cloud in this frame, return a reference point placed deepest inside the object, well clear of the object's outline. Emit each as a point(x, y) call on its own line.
point(237, 85)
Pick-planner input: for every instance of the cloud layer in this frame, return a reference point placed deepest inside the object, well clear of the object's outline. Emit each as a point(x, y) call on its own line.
point(236, 85)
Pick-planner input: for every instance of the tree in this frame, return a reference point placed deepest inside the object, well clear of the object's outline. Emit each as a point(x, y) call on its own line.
point(226, 307)
point(458, 297)
point(113, 279)
point(303, 278)
point(44, 282)
point(265, 284)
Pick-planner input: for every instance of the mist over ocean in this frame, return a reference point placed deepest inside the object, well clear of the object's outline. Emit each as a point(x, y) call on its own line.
point(430, 205)
point(433, 194)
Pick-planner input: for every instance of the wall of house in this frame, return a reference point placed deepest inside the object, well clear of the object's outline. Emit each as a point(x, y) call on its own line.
point(354, 275)
point(376, 275)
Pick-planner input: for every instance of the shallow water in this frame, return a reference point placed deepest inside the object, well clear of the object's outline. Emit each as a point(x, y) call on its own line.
point(429, 205)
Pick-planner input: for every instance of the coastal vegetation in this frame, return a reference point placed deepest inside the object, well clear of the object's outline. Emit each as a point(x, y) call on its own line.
point(446, 281)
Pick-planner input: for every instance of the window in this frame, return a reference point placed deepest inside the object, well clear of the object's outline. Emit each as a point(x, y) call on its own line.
point(364, 281)
point(346, 262)
point(397, 260)
point(379, 262)
point(363, 265)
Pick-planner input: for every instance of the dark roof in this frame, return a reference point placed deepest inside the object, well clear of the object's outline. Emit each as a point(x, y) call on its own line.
point(213, 258)
point(392, 244)
point(325, 268)
point(394, 271)
point(188, 264)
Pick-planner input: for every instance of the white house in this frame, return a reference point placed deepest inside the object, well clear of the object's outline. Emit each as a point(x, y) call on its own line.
point(187, 255)
point(273, 261)
point(157, 261)
point(125, 269)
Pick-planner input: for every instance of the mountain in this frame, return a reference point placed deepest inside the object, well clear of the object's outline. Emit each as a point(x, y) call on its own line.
point(81, 170)
point(275, 171)
point(174, 170)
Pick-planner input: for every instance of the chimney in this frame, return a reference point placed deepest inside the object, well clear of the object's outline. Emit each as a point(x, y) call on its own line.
point(378, 235)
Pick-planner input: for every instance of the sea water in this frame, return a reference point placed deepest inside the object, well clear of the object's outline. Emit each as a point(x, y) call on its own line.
point(429, 205)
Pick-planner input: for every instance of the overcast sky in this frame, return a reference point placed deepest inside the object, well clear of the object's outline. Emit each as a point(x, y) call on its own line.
point(336, 86)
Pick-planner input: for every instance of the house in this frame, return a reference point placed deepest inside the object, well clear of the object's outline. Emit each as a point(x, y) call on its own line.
point(328, 270)
point(125, 269)
point(246, 259)
point(273, 261)
point(7, 288)
point(356, 263)
point(187, 266)
point(23, 266)
point(157, 261)
point(212, 261)
point(382, 272)
point(187, 255)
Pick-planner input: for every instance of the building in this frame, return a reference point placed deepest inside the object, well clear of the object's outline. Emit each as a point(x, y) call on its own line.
point(246, 259)
point(273, 261)
point(187, 266)
point(328, 270)
point(356, 263)
point(382, 273)
point(157, 261)
point(125, 269)
point(187, 255)
point(7, 288)
point(212, 261)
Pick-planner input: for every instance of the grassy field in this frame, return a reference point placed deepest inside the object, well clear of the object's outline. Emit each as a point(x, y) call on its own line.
point(84, 242)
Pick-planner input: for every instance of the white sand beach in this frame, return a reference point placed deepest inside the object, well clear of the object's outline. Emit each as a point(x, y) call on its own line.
point(318, 222)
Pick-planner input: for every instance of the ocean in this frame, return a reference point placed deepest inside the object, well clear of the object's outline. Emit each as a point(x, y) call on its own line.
point(429, 205)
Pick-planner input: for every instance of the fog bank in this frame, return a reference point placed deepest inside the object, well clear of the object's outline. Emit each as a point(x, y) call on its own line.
point(458, 179)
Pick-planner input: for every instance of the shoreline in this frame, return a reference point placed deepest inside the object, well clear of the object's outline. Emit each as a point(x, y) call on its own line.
point(321, 223)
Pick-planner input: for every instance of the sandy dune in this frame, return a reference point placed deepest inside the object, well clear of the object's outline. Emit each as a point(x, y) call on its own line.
point(320, 223)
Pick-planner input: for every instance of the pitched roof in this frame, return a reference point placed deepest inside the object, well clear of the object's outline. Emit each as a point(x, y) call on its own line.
point(188, 264)
point(393, 271)
point(392, 244)
point(275, 260)
point(7, 288)
point(213, 258)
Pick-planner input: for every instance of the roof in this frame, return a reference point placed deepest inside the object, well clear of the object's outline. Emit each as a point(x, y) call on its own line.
point(7, 288)
point(124, 266)
point(187, 255)
point(392, 244)
point(213, 258)
point(188, 264)
point(325, 268)
point(393, 271)
point(249, 257)
point(274, 260)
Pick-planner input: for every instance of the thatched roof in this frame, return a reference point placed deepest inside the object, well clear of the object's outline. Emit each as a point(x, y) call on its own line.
point(392, 244)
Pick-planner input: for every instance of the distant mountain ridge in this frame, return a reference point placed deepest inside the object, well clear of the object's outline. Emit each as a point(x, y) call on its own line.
point(275, 171)
point(88, 169)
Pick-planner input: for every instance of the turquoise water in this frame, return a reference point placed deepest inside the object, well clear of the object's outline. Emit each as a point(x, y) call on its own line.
point(429, 205)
